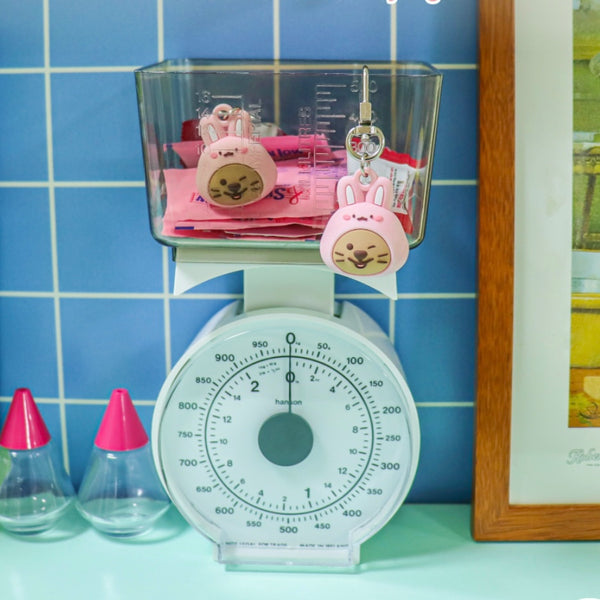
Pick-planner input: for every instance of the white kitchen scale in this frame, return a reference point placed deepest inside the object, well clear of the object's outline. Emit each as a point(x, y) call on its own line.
point(286, 433)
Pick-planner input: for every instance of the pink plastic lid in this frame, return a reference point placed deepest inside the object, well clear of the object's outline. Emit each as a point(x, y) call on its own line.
point(24, 428)
point(121, 428)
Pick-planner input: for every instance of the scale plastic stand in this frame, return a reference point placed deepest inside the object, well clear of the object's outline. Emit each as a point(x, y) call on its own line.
point(192, 268)
point(289, 287)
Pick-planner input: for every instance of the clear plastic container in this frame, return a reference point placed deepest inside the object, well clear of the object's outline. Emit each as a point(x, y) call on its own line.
point(301, 113)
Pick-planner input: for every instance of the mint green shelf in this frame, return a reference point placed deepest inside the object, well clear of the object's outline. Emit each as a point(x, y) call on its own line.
point(425, 553)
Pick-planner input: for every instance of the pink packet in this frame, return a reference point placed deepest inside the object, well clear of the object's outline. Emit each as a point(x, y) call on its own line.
point(287, 232)
point(288, 198)
point(316, 222)
point(271, 233)
point(193, 229)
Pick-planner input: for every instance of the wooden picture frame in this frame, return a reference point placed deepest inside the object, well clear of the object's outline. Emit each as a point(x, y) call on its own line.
point(493, 516)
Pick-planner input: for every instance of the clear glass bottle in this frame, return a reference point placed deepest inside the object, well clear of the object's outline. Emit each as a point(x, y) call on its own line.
point(35, 490)
point(121, 493)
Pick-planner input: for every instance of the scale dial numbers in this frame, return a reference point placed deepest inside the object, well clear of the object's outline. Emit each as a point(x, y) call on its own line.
point(309, 469)
point(286, 430)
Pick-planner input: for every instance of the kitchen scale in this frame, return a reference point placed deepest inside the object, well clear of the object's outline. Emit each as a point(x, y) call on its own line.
point(286, 433)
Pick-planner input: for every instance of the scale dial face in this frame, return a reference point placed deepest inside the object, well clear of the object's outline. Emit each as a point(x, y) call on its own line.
point(286, 430)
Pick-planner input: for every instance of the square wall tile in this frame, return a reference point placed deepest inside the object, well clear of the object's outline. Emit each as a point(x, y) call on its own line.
point(104, 242)
point(102, 33)
point(335, 30)
point(441, 33)
point(378, 309)
point(25, 248)
point(446, 260)
point(435, 340)
point(112, 343)
point(188, 317)
point(24, 155)
point(346, 285)
point(95, 127)
point(225, 29)
point(456, 151)
point(445, 466)
point(83, 421)
point(28, 346)
point(22, 34)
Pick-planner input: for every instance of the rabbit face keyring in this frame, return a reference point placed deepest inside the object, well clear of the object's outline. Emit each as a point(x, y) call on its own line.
point(364, 237)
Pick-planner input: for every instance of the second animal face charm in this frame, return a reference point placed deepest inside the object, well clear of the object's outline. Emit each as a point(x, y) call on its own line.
point(233, 170)
point(364, 236)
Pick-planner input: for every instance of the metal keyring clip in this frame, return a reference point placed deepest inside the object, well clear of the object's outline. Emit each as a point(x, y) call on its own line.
point(371, 139)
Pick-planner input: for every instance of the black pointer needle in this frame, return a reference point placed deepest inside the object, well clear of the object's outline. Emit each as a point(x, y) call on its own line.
point(289, 376)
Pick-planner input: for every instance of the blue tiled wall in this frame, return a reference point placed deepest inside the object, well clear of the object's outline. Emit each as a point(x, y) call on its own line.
point(85, 303)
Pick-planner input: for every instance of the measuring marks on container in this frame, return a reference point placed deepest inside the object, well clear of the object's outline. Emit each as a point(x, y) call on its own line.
point(320, 133)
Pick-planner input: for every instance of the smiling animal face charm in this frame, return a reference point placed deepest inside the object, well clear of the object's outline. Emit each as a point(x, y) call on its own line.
point(233, 170)
point(364, 236)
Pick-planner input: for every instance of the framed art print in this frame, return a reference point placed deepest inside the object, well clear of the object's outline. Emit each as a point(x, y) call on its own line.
point(537, 441)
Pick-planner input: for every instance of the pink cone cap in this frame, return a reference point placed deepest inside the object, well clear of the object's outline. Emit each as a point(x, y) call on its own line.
point(121, 428)
point(24, 428)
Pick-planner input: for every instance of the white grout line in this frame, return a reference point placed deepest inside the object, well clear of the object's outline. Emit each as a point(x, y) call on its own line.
point(100, 184)
point(392, 320)
point(438, 296)
point(361, 296)
point(276, 31)
point(100, 69)
point(456, 66)
point(451, 182)
point(118, 295)
point(199, 296)
point(104, 402)
point(220, 296)
point(160, 31)
point(73, 184)
point(53, 243)
point(18, 294)
point(393, 32)
point(23, 184)
point(445, 404)
point(80, 401)
point(130, 68)
point(22, 71)
point(54, 70)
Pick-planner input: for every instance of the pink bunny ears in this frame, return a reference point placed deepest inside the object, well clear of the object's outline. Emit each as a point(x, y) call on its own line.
point(378, 190)
point(225, 121)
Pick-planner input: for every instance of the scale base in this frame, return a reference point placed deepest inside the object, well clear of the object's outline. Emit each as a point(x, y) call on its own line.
point(237, 557)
